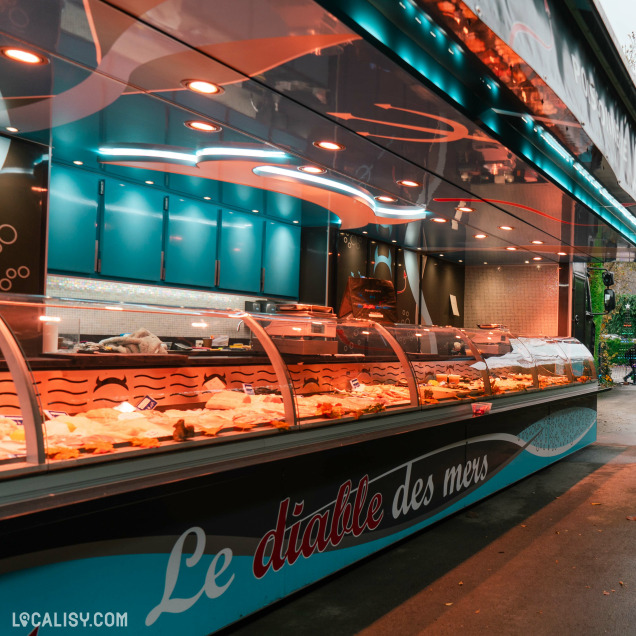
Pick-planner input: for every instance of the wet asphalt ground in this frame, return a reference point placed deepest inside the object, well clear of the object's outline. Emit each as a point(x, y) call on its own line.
point(552, 554)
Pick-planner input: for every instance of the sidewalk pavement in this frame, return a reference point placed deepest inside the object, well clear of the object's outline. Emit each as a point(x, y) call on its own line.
point(552, 554)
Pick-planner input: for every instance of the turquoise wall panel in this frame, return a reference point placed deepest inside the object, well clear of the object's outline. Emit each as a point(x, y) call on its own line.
point(241, 196)
point(132, 233)
point(282, 259)
point(240, 251)
point(73, 206)
point(191, 242)
point(283, 206)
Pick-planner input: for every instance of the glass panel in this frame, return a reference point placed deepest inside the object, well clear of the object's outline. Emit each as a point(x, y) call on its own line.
point(553, 367)
point(119, 378)
point(445, 366)
point(581, 360)
point(340, 370)
point(509, 363)
point(12, 436)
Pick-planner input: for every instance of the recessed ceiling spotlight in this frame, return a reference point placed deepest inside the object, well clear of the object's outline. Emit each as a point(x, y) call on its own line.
point(201, 86)
point(526, 262)
point(12, 129)
point(312, 169)
point(460, 261)
point(438, 219)
point(507, 228)
point(441, 255)
point(386, 199)
point(150, 182)
point(480, 236)
point(511, 249)
point(295, 221)
point(202, 126)
point(328, 145)
point(78, 163)
point(464, 208)
point(364, 232)
point(537, 258)
point(21, 55)
point(485, 262)
point(408, 183)
point(207, 198)
point(561, 254)
point(537, 242)
point(393, 241)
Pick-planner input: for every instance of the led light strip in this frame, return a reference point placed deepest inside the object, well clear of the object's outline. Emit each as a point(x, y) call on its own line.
point(407, 212)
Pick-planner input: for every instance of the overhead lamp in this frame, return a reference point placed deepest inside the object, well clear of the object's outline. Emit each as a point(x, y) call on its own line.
point(201, 86)
point(408, 183)
point(507, 228)
point(464, 208)
point(393, 241)
point(50, 318)
point(438, 219)
point(537, 258)
point(328, 145)
point(149, 182)
point(460, 261)
point(480, 236)
point(202, 126)
point(441, 255)
point(207, 198)
point(511, 249)
point(23, 56)
point(12, 129)
point(537, 242)
point(312, 169)
point(78, 163)
point(386, 199)
point(201, 325)
point(561, 254)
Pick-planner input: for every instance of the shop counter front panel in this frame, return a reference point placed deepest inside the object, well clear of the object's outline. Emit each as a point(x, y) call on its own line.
point(194, 555)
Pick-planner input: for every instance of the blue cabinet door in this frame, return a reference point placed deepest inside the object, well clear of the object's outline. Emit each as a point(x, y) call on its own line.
point(240, 251)
point(132, 232)
point(191, 242)
point(73, 202)
point(282, 259)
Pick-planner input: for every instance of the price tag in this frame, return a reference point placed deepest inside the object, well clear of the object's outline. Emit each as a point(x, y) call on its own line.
point(355, 385)
point(125, 407)
point(248, 389)
point(53, 414)
point(147, 404)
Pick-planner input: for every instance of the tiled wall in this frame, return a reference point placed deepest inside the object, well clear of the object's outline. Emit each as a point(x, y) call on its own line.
point(106, 322)
point(524, 299)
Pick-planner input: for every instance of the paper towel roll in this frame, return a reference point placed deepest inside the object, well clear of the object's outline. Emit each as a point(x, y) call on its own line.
point(49, 337)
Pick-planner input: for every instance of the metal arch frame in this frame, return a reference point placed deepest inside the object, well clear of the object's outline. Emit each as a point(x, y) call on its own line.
point(280, 368)
point(31, 414)
point(406, 363)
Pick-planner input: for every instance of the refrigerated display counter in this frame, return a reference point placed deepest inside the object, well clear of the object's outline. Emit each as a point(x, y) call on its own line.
point(128, 441)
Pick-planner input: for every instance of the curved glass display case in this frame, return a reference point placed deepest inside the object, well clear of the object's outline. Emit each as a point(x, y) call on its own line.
point(85, 380)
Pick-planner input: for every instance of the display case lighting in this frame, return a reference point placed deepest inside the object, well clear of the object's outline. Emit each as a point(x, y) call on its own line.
point(23, 56)
point(328, 145)
point(202, 126)
point(202, 86)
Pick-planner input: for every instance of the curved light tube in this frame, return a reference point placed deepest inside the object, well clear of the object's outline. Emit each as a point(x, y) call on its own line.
point(406, 212)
